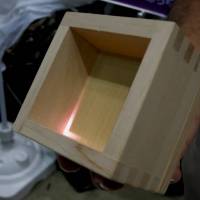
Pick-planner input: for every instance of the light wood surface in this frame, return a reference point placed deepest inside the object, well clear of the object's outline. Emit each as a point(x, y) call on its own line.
point(99, 81)
point(115, 68)
point(115, 95)
point(61, 88)
point(186, 14)
point(103, 97)
point(98, 111)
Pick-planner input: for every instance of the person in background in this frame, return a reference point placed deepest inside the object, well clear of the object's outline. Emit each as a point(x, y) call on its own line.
point(187, 15)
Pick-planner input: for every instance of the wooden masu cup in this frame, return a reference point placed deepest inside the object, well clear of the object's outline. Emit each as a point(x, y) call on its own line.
point(116, 95)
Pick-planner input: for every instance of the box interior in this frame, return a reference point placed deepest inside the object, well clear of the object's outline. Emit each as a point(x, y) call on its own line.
point(87, 85)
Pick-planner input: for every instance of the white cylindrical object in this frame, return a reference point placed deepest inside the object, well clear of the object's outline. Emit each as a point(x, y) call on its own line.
point(2, 103)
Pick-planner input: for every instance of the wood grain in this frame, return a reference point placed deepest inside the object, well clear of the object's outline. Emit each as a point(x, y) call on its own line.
point(131, 86)
point(98, 112)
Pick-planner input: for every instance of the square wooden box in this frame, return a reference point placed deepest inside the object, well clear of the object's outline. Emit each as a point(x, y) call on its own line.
point(116, 95)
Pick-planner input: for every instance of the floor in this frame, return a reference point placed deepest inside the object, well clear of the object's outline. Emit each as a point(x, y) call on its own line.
point(56, 188)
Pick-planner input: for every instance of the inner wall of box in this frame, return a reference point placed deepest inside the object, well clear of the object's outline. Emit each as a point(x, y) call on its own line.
point(87, 85)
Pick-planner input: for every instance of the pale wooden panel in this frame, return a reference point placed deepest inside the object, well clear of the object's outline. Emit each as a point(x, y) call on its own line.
point(126, 45)
point(99, 108)
point(48, 61)
point(102, 99)
point(115, 24)
point(138, 92)
point(61, 88)
point(190, 105)
point(88, 52)
point(159, 125)
point(115, 68)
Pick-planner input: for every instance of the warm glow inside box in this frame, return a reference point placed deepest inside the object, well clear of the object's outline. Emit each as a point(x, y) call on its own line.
point(116, 95)
point(89, 85)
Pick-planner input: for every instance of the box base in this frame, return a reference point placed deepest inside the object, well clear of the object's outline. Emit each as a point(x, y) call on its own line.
point(22, 164)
